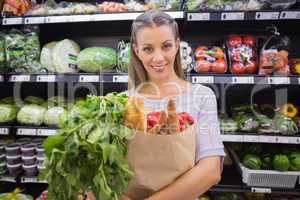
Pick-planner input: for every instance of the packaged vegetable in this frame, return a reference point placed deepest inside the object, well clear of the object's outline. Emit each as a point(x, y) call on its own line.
point(2, 53)
point(186, 56)
point(8, 112)
point(242, 54)
point(52, 115)
point(123, 56)
point(210, 59)
point(64, 55)
point(31, 114)
point(109, 7)
point(97, 59)
point(274, 55)
point(16, 7)
point(46, 56)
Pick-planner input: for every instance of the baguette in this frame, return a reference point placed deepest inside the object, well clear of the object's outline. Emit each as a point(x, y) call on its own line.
point(172, 121)
point(134, 115)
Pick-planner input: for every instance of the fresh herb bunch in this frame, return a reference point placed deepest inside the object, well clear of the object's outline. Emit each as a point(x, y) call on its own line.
point(89, 151)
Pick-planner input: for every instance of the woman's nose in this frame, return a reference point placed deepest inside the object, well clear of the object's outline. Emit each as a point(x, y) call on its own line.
point(158, 56)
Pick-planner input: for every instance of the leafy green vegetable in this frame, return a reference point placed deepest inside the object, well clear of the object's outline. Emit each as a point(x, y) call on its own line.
point(8, 112)
point(31, 114)
point(89, 151)
point(34, 100)
point(123, 56)
point(294, 158)
point(2, 54)
point(96, 59)
point(52, 115)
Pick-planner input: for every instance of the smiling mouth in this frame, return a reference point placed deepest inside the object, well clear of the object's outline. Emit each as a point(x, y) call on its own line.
point(159, 68)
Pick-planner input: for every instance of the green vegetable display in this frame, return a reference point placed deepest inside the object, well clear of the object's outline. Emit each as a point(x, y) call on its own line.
point(228, 125)
point(294, 158)
point(8, 112)
point(97, 59)
point(52, 115)
point(22, 49)
point(31, 114)
point(281, 162)
point(252, 161)
point(89, 152)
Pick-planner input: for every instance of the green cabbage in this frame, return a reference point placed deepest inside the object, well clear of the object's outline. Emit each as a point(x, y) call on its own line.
point(52, 115)
point(31, 114)
point(96, 59)
point(8, 113)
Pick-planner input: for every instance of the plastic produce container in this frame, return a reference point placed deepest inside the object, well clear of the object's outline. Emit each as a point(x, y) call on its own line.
point(28, 149)
point(30, 170)
point(2, 158)
point(23, 141)
point(40, 160)
point(2, 147)
point(2, 168)
point(40, 151)
point(15, 170)
point(38, 141)
point(29, 160)
point(266, 178)
point(12, 160)
point(13, 149)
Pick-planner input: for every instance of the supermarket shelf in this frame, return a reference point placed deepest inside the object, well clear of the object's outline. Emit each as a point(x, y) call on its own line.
point(232, 182)
point(35, 131)
point(115, 77)
point(244, 16)
point(5, 178)
point(5, 130)
point(80, 18)
point(244, 79)
point(254, 138)
point(31, 180)
point(80, 77)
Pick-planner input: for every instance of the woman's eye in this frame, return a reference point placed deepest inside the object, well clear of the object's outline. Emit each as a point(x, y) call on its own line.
point(147, 49)
point(167, 46)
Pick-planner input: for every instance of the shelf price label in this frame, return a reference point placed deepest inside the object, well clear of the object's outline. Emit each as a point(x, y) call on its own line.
point(12, 21)
point(203, 79)
point(4, 131)
point(232, 138)
point(290, 15)
point(251, 138)
point(32, 180)
point(282, 139)
point(58, 19)
point(7, 179)
point(1, 78)
point(198, 16)
point(243, 80)
point(26, 131)
point(34, 20)
point(46, 132)
point(294, 140)
point(266, 15)
point(89, 78)
point(46, 78)
point(261, 190)
point(120, 79)
point(299, 81)
point(19, 78)
point(267, 139)
point(279, 80)
point(233, 16)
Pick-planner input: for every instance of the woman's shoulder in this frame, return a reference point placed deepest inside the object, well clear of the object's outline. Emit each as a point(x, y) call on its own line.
point(201, 90)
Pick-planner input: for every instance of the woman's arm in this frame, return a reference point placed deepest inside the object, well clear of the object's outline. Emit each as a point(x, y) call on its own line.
point(193, 183)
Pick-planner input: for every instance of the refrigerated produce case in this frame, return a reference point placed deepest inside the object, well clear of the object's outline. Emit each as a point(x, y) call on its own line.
point(199, 26)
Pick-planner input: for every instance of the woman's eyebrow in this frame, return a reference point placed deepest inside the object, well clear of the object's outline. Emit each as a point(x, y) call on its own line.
point(167, 41)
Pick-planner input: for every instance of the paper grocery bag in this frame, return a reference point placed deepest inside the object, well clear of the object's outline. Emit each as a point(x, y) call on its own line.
point(157, 160)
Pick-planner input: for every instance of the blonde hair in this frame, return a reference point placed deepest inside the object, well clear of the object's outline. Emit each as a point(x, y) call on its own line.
point(136, 70)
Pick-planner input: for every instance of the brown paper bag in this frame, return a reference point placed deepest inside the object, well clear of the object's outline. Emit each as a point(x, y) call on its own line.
point(157, 160)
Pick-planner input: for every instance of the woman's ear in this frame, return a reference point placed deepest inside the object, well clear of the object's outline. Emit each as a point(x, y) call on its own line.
point(177, 44)
point(135, 49)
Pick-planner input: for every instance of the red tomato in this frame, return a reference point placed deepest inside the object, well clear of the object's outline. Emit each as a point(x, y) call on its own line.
point(200, 52)
point(249, 40)
point(279, 62)
point(238, 68)
point(152, 119)
point(202, 66)
point(234, 40)
point(219, 66)
point(251, 67)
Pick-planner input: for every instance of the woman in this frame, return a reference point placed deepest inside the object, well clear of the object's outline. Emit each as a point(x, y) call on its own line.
point(155, 74)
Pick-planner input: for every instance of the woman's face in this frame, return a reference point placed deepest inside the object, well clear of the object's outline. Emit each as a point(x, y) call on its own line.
point(156, 47)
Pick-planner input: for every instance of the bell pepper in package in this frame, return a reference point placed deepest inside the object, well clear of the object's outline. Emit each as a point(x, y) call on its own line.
point(242, 54)
point(210, 59)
